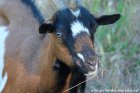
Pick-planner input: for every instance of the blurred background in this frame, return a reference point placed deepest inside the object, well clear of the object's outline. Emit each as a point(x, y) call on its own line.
point(117, 45)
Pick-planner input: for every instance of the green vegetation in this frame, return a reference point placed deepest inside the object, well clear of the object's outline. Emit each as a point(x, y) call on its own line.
point(118, 45)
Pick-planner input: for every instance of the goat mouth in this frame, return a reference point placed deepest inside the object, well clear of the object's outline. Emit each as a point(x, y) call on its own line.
point(93, 72)
point(88, 68)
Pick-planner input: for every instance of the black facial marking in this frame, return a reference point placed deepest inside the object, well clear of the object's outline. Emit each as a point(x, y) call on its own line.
point(87, 52)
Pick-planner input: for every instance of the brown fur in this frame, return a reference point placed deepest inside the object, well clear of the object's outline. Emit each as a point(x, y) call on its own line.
point(83, 41)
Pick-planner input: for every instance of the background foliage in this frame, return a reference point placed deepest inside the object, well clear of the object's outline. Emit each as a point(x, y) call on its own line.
point(118, 45)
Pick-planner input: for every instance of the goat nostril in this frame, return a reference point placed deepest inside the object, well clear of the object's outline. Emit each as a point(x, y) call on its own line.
point(92, 60)
point(92, 63)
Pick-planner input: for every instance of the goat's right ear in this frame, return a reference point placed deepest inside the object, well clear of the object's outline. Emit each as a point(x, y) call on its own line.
point(46, 28)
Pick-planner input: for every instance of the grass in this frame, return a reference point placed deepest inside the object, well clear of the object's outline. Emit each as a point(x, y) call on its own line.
point(117, 45)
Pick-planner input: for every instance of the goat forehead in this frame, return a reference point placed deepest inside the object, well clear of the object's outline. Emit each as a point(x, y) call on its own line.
point(76, 13)
point(78, 27)
point(73, 22)
point(68, 15)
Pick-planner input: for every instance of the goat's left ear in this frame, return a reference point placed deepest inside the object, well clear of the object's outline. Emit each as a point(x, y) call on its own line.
point(108, 19)
point(46, 28)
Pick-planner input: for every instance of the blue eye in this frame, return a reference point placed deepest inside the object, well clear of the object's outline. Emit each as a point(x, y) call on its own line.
point(59, 34)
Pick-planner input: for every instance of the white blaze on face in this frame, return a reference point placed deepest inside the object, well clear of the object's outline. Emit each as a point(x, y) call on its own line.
point(81, 56)
point(76, 13)
point(3, 35)
point(77, 27)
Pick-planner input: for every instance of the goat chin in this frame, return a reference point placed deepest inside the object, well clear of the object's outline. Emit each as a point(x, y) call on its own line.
point(94, 72)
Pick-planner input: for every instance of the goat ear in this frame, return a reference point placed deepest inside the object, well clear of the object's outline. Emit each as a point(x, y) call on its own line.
point(108, 19)
point(46, 28)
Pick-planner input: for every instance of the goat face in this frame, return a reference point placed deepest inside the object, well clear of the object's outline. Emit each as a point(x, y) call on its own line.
point(74, 31)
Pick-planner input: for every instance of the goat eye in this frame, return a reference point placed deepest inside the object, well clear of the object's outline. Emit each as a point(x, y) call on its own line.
point(59, 34)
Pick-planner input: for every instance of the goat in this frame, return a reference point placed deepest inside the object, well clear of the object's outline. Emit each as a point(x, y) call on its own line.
point(31, 56)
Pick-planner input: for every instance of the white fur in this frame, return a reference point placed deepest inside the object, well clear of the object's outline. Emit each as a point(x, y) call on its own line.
point(2, 84)
point(76, 13)
point(3, 35)
point(81, 56)
point(77, 27)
